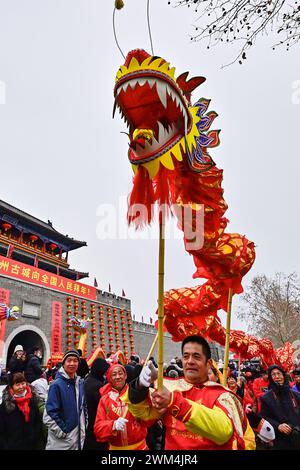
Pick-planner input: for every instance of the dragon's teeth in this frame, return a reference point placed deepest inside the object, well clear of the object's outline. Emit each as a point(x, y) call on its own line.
point(132, 83)
point(125, 86)
point(151, 82)
point(185, 123)
point(141, 81)
point(162, 93)
point(161, 130)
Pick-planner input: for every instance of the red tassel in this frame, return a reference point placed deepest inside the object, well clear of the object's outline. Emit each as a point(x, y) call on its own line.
point(141, 200)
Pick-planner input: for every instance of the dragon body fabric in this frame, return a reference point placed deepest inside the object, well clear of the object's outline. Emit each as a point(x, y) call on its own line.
point(169, 140)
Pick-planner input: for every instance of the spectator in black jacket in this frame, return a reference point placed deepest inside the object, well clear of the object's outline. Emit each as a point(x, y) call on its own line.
point(281, 407)
point(20, 421)
point(34, 369)
point(92, 388)
point(17, 362)
point(83, 368)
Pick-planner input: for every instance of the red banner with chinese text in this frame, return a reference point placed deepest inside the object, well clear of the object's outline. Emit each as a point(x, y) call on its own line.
point(26, 273)
point(56, 328)
point(4, 299)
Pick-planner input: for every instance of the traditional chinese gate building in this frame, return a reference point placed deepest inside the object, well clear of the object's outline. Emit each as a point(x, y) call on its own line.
point(36, 276)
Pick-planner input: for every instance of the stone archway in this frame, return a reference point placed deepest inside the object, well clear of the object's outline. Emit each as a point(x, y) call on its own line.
point(26, 334)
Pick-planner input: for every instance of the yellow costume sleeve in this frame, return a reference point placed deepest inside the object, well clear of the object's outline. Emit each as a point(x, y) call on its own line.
point(143, 410)
point(212, 423)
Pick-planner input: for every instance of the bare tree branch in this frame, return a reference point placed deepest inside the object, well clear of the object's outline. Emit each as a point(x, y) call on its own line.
point(271, 308)
point(230, 21)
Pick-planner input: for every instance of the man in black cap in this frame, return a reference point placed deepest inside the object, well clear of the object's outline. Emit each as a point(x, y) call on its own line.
point(34, 369)
point(281, 407)
point(65, 412)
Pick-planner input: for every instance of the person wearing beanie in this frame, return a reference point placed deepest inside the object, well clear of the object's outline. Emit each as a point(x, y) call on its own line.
point(281, 407)
point(65, 413)
point(114, 423)
point(17, 363)
point(92, 388)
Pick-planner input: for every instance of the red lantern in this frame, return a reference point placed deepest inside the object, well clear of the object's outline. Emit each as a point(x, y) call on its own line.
point(6, 226)
point(53, 246)
point(33, 238)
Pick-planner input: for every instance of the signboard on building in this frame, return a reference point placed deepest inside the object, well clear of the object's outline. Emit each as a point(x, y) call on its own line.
point(56, 330)
point(26, 273)
point(4, 299)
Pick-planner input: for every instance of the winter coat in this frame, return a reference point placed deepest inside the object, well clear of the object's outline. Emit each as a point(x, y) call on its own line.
point(281, 410)
point(83, 368)
point(111, 408)
point(15, 433)
point(65, 413)
point(33, 369)
point(281, 405)
point(92, 389)
point(16, 365)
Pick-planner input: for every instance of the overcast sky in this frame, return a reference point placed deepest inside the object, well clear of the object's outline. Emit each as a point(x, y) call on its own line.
point(63, 157)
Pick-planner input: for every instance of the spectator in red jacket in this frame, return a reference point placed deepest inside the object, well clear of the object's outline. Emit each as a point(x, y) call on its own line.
point(114, 423)
point(260, 387)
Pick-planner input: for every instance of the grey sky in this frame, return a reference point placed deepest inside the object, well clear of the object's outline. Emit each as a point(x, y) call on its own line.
point(62, 155)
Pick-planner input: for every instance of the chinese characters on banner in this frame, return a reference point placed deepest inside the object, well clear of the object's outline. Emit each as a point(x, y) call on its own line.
point(56, 329)
point(4, 299)
point(26, 273)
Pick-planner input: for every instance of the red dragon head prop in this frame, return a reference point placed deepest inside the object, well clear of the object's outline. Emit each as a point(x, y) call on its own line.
point(163, 125)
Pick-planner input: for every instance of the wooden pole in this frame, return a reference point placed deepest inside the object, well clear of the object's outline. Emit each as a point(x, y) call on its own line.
point(152, 347)
point(226, 355)
point(160, 332)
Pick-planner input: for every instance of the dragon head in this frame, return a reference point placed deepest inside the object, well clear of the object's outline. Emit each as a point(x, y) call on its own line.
point(163, 125)
point(79, 324)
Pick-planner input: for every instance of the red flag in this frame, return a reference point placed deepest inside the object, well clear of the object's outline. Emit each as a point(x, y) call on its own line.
point(10, 251)
point(95, 282)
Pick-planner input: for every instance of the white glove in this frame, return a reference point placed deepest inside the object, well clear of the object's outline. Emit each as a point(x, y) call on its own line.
point(148, 375)
point(248, 408)
point(120, 424)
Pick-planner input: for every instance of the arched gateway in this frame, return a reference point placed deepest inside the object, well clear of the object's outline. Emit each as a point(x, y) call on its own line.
point(27, 336)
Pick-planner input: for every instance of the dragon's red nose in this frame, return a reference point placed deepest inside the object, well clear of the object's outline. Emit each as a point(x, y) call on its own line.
point(139, 54)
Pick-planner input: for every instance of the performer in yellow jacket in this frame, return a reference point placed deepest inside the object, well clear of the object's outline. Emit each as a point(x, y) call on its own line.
point(198, 414)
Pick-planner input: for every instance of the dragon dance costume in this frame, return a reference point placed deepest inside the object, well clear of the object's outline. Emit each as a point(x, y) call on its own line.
point(199, 417)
